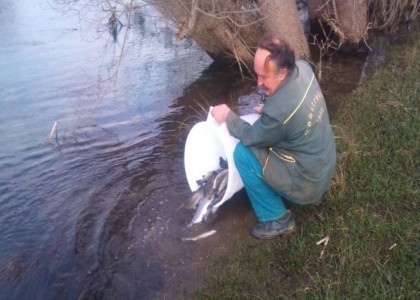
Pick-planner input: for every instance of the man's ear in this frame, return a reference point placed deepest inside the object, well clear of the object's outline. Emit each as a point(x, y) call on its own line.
point(283, 74)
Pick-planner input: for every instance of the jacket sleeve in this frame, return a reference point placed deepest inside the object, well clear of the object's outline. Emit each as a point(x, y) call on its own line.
point(265, 132)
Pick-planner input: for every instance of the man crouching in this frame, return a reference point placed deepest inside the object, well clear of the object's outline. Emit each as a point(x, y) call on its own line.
point(289, 153)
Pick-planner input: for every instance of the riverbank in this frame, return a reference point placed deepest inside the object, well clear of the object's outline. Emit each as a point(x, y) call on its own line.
point(363, 240)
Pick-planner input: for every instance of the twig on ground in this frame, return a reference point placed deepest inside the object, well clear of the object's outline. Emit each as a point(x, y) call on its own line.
point(324, 241)
point(393, 246)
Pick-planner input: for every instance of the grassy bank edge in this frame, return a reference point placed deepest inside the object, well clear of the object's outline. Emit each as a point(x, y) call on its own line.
point(370, 213)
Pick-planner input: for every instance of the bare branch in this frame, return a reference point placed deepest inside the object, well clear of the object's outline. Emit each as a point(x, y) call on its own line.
point(125, 38)
point(187, 29)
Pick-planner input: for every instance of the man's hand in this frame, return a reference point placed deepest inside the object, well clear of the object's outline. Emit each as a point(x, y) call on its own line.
point(258, 108)
point(220, 113)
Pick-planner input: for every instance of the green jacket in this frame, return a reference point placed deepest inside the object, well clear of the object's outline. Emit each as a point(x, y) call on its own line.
point(293, 139)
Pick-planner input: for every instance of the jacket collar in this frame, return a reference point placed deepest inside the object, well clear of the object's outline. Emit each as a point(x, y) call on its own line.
point(293, 74)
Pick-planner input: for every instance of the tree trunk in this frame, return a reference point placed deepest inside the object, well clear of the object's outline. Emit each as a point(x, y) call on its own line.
point(352, 15)
point(225, 29)
point(348, 19)
point(281, 18)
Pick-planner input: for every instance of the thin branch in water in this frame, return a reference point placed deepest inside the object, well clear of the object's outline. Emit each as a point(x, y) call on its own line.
point(183, 124)
point(124, 41)
point(54, 129)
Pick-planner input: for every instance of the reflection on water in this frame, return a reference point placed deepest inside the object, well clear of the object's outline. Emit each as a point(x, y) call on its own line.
point(94, 214)
point(66, 208)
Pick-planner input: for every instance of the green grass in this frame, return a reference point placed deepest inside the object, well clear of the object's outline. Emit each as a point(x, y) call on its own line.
point(370, 213)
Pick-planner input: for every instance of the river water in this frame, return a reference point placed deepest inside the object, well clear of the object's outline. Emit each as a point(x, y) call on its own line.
point(92, 211)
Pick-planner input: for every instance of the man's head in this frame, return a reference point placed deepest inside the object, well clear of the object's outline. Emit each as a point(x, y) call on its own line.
point(272, 62)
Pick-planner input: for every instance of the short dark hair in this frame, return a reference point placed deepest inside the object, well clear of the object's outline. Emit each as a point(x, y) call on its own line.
point(280, 52)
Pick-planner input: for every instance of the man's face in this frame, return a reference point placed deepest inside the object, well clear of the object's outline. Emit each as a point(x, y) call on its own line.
point(268, 76)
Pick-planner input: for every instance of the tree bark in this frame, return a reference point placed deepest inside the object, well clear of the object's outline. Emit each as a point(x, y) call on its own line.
point(348, 19)
point(281, 18)
point(225, 29)
point(352, 16)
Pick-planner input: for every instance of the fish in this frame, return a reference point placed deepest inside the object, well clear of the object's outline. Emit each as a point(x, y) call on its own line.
point(200, 236)
point(206, 206)
point(220, 184)
point(202, 210)
point(200, 193)
point(212, 187)
point(195, 198)
point(219, 189)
